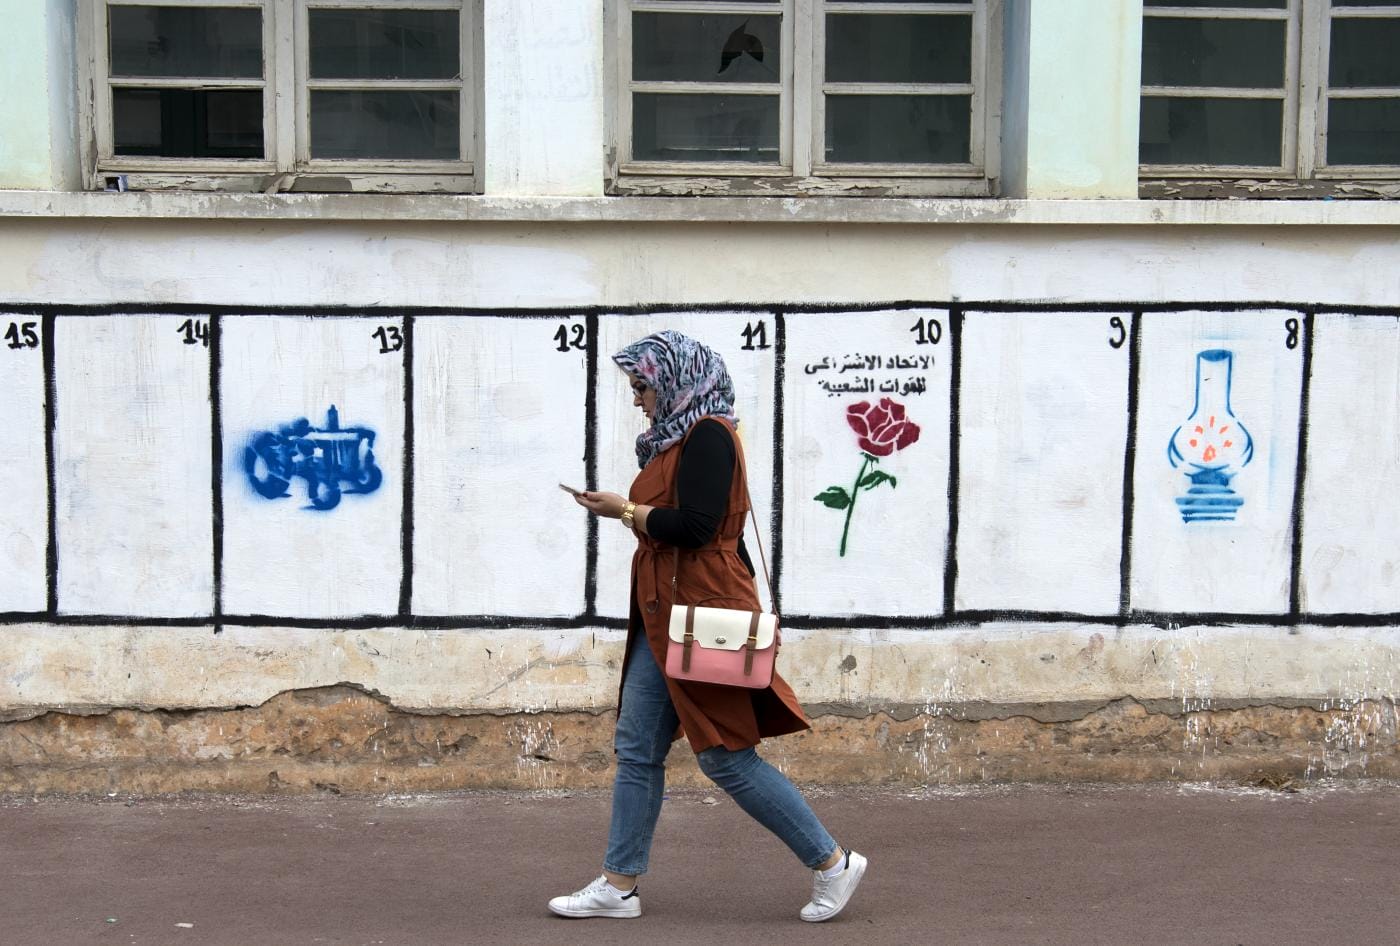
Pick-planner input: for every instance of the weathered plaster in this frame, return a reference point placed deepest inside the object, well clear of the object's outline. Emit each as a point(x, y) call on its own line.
point(939, 211)
point(501, 264)
point(344, 739)
point(984, 670)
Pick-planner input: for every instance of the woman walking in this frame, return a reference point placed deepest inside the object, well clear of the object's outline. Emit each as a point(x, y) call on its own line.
point(692, 495)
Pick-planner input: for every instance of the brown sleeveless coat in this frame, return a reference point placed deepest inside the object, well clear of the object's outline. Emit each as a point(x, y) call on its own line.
point(714, 575)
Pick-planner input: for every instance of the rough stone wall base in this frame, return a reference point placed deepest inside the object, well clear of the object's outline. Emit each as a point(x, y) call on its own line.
point(343, 739)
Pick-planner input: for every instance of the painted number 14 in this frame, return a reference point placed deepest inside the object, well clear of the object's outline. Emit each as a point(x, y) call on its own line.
point(195, 332)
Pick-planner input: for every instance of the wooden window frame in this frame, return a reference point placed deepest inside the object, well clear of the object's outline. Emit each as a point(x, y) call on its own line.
point(1317, 94)
point(287, 164)
point(1303, 170)
point(1287, 93)
point(802, 91)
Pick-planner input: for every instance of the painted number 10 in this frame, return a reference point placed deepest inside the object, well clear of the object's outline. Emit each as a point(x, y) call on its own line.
point(22, 335)
point(196, 332)
point(927, 331)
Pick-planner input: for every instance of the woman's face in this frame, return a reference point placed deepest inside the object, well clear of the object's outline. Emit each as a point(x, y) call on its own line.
point(644, 397)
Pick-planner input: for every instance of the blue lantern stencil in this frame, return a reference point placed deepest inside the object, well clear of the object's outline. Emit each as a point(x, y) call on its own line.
point(1213, 444)
point(325, 457)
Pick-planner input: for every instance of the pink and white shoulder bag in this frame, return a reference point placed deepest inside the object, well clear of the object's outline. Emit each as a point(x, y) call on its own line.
point(726, 646)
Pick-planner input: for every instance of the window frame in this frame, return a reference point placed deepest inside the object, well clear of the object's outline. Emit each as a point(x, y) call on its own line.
point(802, 89)
point(1318, 94)
point(1303, 170)
point(1288, 95)
point(287, 164)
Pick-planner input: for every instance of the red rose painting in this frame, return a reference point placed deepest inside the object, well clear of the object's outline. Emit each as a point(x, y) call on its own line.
point(880, 429)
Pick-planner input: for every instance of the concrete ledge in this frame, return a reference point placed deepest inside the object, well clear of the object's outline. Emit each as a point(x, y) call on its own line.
point(342, 739)
point(809, 210)
point(989, 671)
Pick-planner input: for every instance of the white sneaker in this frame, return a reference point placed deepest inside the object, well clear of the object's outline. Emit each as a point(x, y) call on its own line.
point(829, 897)
point(598, 899)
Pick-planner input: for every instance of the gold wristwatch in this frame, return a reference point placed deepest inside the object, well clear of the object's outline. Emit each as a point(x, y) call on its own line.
point(628, 511)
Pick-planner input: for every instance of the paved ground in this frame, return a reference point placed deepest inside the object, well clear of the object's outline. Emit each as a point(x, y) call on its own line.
point(1004, 865)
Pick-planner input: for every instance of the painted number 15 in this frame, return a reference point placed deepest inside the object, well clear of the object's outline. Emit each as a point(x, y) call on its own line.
point(22, 335)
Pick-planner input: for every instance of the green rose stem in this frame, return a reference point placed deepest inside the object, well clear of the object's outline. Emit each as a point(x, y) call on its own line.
point(855, 491)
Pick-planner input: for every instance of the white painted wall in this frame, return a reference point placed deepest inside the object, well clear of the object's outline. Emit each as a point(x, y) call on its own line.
point(23, 477)
point(498, 421)
point(132, 468)
point(1072, 73)
point(543, 88)
point(38, 112)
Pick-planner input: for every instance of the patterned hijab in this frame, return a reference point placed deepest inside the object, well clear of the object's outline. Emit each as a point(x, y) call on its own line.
point(690, 382)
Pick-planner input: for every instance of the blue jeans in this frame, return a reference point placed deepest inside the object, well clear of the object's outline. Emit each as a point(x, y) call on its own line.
point(644, 730)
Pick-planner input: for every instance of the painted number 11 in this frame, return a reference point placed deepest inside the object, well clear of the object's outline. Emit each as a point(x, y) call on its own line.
point(755, 336)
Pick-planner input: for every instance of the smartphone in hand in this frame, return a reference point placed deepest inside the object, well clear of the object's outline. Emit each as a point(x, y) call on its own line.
point(571, 491)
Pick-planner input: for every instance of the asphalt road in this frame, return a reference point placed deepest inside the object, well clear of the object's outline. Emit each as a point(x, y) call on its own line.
point(1071, 865)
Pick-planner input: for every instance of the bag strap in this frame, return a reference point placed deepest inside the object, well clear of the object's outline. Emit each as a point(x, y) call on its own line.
point(753, 517)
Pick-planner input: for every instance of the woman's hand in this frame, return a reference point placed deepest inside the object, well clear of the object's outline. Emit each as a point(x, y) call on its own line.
point(607, 505)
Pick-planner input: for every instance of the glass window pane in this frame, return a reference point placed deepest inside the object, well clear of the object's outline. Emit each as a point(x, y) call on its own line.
point(188, 123)
point(706, 47)
point(899, 129)
point(412, 124)
point(1221, 4)
point(1238, 132)
point(865, 47)
point(1365, 53)
point(384, 44)
point(210, 42)
point(1365, 3)
point(1215, 53)
point(705, 128)
point(1363, 131)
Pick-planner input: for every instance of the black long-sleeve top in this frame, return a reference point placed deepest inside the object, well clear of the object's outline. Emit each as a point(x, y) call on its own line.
point(702, 490)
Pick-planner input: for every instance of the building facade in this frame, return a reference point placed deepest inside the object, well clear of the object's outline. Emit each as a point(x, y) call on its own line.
point(307, 306)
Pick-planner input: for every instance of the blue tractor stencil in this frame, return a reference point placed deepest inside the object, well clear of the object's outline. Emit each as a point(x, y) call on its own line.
point(331, 460)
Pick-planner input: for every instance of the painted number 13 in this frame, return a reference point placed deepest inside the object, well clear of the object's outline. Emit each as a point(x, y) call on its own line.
point(389, 337)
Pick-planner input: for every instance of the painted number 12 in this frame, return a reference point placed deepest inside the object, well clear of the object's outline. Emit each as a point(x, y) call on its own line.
point(571, 336)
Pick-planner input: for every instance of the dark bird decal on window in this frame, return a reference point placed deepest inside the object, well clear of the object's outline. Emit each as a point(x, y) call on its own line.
point(739, 42)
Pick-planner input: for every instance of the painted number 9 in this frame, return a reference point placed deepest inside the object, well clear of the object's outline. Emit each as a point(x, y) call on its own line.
point(1116, 323)
point(1291, 341)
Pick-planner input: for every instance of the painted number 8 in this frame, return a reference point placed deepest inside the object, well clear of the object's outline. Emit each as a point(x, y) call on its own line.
point(1292, 340)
